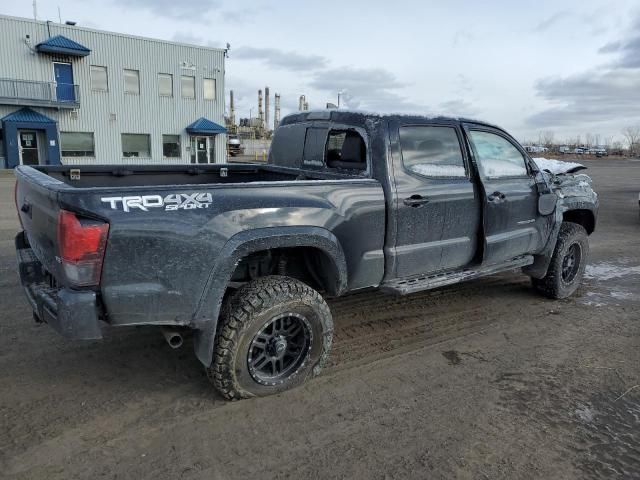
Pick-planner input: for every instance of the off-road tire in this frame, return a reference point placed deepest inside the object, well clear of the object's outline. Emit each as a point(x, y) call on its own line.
point(247, 311)
point(553, 285)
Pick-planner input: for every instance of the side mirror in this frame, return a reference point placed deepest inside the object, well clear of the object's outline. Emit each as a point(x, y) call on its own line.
point(547, 203)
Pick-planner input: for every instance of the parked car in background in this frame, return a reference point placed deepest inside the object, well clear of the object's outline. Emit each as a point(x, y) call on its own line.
point(565, 149)
point(234, 146)
point(600, 152)
point(578, 151)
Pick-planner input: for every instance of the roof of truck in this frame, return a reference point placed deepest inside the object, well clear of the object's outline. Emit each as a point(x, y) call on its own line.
point(349, 115)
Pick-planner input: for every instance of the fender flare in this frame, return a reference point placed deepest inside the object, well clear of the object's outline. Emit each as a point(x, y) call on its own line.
point(205, 319)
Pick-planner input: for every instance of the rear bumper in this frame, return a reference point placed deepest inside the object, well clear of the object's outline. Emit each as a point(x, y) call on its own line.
point(72, 313)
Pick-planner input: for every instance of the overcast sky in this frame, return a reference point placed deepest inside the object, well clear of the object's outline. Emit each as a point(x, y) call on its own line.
point(572, 67)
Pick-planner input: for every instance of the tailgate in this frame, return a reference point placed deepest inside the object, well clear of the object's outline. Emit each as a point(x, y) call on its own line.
point(37, 204)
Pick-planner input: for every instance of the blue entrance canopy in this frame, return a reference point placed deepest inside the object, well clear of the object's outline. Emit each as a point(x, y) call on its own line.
point(64, 46)
point(26, 115)
point(204, 126)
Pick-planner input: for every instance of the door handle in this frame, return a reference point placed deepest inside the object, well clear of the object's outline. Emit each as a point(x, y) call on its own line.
point(415, 201)
point(496, 197)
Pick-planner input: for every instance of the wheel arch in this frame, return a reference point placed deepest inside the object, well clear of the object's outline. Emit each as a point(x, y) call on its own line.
point(252, 241)
point(582, 216)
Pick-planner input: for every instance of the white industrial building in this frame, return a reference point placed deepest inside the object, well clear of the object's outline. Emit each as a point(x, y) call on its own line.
point(74, 95)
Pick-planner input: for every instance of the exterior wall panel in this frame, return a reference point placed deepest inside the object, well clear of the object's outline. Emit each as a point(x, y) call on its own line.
point(109, 114)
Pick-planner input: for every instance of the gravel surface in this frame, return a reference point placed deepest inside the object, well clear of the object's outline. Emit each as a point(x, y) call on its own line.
point(479, 380)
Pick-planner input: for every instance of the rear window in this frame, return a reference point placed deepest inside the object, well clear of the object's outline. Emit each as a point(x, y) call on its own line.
point(313, 155)
point(318, 148)
point(286, 146)
point(432, 151)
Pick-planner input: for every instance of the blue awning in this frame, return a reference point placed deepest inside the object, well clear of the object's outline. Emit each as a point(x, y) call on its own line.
point(26, 115)
point(203, 126)
point(64, 46)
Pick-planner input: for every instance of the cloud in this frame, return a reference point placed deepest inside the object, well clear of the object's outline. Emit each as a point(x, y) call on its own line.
point(550, 21)
point(457, 108)
point(365, 89)
point(608, 95)
point(194, 10)
point(277, 58)
point(628, 52)
point(191, 39)
point(590, 97)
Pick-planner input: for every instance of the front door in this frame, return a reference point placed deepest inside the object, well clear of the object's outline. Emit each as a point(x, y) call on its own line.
point(202, 150)
point(512, 224)
point(438, 207)
point(63, 74)
point(28, 141)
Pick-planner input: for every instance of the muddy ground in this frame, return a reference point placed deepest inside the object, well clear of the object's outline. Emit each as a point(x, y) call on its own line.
point(480, 380)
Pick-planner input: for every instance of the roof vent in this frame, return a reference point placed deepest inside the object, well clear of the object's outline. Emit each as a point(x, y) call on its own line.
point(70, 23)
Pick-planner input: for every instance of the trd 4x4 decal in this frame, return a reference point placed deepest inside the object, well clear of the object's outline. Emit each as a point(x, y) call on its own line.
point(174, 201)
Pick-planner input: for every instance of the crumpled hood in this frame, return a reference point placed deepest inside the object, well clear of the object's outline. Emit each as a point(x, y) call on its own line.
point(558, 166)
point(571, 185)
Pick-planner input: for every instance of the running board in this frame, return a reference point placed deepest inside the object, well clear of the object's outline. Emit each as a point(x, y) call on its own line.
point(407, 285)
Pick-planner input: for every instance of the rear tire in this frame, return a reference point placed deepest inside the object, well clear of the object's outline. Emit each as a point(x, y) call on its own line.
point(274, 333)
point(568, 263)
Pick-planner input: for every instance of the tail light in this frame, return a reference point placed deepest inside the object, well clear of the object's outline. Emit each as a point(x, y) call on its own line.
point(81, 244)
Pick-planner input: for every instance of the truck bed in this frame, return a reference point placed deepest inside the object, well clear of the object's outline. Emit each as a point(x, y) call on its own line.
point(165, 175)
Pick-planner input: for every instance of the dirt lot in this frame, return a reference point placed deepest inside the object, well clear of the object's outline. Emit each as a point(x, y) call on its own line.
point(482, 380)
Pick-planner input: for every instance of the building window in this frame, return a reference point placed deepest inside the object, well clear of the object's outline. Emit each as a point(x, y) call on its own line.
point(77, 144)
point(188, 86)
point(136, 145)
point(132, 82)
point(99, 78)
point(209, 87)
point(165, 85)
point(171, 146)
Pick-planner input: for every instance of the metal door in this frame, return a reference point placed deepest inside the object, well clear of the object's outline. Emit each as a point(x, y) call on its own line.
point(64, 82)
point(28, 141)
point(511, 221)
point(438, 206)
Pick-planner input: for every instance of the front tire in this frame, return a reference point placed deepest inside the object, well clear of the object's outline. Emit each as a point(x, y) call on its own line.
point(274, 333)
point(568, 263)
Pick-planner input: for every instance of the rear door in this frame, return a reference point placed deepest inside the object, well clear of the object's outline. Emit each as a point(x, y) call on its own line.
point(512, 225)
point(438, 206)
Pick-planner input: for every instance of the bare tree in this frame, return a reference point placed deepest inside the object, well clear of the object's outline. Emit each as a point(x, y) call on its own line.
point(632, 136)
point(546, 138)
point(588, 139)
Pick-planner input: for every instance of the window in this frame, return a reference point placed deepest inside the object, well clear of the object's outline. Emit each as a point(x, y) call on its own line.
point(188, 86)
point(346, 150)
point(497, 157)
point(209, 87)
point(132, 82)
point(313, 153)
point(77, 144)
point(136, 145)
point(1, 145)
point(165, 84)
point(171, 146)
point(432, 151)
point(99, 78)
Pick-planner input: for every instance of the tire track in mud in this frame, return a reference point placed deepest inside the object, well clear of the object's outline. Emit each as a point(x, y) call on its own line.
point(371, 326)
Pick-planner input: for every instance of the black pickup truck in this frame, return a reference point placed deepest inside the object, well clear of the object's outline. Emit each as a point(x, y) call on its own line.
point(242, 255)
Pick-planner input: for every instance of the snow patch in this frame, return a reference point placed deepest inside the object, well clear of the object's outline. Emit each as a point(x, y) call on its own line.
point(585, 414)
point(555, 166)
point(438, 170)
point(496, 167)
point(607, 271)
